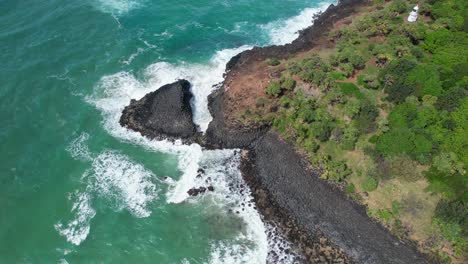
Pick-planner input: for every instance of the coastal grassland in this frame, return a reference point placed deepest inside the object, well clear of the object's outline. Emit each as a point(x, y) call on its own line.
point(382, 111)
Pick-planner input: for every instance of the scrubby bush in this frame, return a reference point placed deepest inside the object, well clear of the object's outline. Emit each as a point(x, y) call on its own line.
point(337, 75)
point(365, 120)
point(288, 84)
point(393, 78)
point(294, 69)
point(274, 62)
point(349, 55)
point(450, 99)
point(350, 188)
point(398, 6)
point(451, 217)
point(370, 184)
point(369, 81)
point(310, 145)
point(274, 89)
point(334, 170)
point(425, 80)
point(349, 138)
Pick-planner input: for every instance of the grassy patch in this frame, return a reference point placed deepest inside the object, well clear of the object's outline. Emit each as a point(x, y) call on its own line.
point(350, 89)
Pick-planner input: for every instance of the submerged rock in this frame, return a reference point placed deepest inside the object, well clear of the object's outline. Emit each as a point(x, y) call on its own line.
point(199, 190)
point(164, 113)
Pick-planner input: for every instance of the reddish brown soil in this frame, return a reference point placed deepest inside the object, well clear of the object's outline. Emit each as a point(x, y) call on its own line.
point(248, 78)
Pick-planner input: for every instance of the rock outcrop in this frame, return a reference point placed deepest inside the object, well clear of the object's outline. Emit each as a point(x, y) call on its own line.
point(164, 113)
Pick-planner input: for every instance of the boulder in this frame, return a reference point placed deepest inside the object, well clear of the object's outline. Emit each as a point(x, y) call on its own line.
point(164, 113)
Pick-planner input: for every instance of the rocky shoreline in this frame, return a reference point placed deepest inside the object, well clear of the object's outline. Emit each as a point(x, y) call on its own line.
point(319, 219)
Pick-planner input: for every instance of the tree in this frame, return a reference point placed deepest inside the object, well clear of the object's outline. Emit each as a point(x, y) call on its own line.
point(425, 80)
point(365, 120)
point(395, 142)
point(393, 78)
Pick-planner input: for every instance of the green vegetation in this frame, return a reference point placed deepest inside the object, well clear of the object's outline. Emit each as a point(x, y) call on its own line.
point(274, 62)
point(387, 112)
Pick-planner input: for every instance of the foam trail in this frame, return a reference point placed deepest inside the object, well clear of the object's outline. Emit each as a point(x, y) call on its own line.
point(113, 93)
point(77, 229)
point(112, 176)
point(285, 31)
point(126, 183)
point(78, 148)
point(233, 198)
point(118, 7)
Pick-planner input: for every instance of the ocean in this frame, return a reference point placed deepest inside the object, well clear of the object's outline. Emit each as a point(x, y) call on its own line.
point(75, 187)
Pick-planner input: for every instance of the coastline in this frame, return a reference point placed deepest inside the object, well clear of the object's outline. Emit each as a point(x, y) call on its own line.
point(288, 192)
point(306, 208)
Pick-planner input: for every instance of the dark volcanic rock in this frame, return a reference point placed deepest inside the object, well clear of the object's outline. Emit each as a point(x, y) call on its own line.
point(196, 191)
point(275, 169)
point(200, 190)
point(307, 37)
point(164, 113)
point(219, 135)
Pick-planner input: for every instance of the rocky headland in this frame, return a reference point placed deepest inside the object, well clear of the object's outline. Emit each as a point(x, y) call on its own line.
point(325, 225)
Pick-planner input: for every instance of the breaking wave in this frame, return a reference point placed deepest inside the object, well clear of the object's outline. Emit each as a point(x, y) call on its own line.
point(285, 31)
point(116, 177)
point(113, 177)
point(118, 7)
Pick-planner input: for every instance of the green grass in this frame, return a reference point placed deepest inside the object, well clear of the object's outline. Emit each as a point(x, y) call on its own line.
point(350, 89)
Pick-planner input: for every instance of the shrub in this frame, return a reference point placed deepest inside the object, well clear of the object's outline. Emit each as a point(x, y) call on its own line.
point(395, 142)
point(350, 188)
point(450, 99)
point(369, 184)
point(288, 84)
point(451, 217)
point(352, 107)
point(365, 120)
point(398, 6)
point(294, 69)
point(349, 138)
point(425, 80)
point(274, 89)
point(368, 80)
point(334, 170)
point(384, 215)
point(396, 208)
point(347, 69)
point(337, 75)
point(274, 62)
point(310, 145)
point(393, 78)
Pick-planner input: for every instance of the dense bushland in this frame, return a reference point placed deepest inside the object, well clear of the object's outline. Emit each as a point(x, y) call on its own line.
point(396, 94)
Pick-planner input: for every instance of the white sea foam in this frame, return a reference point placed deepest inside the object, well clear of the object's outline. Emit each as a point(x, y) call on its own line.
point(128, 184)
point(133, 56)
point(232, 195)
point(118, 7)
point(285, 31)
point(113, 93)
point(112, 176)
point(78, 148)
point(203, 77)
point(77, 229)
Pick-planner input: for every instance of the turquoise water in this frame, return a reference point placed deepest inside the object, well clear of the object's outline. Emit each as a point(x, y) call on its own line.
point(75, 187)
